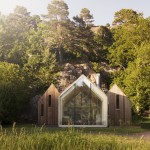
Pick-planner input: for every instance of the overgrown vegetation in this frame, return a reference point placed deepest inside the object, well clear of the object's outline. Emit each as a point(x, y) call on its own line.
point(32, 48)
point(70, 138)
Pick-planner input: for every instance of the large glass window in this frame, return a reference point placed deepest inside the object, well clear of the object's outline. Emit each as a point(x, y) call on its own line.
point(81, 106)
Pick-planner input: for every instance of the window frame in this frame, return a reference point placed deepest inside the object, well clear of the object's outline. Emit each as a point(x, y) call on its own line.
point(42, 110)
point(49, 101)
point(117, 102)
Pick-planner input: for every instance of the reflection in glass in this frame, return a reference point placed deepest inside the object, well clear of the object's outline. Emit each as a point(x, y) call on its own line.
point(81, 107)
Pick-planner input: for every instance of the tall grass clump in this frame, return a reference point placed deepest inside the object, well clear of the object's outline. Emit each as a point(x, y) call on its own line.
point(65, 139)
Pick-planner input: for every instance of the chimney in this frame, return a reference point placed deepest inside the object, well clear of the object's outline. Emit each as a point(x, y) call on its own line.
point(98, 80)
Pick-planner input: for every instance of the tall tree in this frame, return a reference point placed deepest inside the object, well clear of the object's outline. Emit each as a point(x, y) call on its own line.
point(83, 38)
point(40, 66)
point(126, 37)
point(126, 16)
point(57, 11)
point(58, 20)
point(103, 40)
point(130, 51)
point(87, 17)
point(14, 39)
point(137, 81)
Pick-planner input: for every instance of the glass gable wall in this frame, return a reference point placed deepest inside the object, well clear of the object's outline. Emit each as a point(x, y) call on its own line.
point(81, 106)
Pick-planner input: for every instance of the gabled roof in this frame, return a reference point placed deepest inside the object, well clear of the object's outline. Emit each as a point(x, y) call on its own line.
point(116, 89)
point(51, 87)
point(84, 79)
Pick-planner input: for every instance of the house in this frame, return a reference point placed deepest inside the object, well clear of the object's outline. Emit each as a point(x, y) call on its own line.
point(48, 107)
point(82, 104)
point(119, 108)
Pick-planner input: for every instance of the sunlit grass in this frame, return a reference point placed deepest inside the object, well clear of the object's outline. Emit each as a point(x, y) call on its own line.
point(42, 138)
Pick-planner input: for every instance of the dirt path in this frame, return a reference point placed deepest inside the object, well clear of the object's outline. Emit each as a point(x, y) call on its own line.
point(142, 135)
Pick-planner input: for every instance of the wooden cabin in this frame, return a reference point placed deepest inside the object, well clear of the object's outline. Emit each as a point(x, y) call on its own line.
point(119, 107)
point(48, 107)
point(84, 104)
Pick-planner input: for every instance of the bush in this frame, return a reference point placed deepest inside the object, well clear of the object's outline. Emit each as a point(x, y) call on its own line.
point(145, 125)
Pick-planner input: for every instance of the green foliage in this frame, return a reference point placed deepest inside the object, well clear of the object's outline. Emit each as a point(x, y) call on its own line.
point(123, 48)
point(58, 34)
point(14, 38)
point(57, 11)
point(134, 80)
point(137, 81)
point(127, 38)
point(86, 16)
point(82, 39)
point(40, 62)
point(37, 46)
point(22, 42)
point(103, 40)
point(12, 91)
point(130, 51)
point(125, 16)
point(97, 67)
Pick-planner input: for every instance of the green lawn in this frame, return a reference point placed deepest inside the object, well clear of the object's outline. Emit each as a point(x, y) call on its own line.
point(31, 137)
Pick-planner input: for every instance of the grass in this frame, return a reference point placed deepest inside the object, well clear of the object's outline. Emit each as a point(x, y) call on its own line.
point(31, 137)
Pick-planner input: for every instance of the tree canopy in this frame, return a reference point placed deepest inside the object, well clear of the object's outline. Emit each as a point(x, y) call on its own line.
point(33, 47)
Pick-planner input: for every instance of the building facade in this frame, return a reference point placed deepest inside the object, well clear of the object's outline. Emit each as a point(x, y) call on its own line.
point(119, 108)
point(83, 104)
point(48, 107)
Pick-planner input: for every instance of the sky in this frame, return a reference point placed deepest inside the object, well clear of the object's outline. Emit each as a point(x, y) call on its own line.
point(102, 10)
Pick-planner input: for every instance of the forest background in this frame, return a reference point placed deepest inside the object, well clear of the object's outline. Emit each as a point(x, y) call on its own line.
point(34, 48)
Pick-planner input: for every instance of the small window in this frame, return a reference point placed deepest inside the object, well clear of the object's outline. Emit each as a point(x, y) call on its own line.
point(117, 102)
point(42, 109)
point(49, 101)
